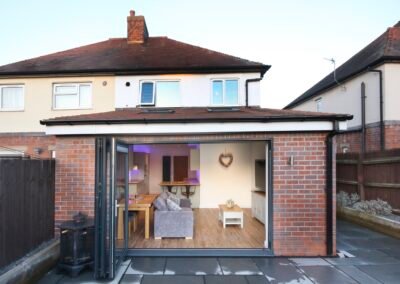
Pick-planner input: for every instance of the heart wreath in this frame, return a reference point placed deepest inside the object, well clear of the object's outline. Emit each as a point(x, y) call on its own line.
point(226, 159)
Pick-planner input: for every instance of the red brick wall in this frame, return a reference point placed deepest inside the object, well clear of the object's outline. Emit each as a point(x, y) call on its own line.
point(299, 195)
point(299, 191)
point(75, 165)
point(352, 140)
point(392, 136)
point(28, 143)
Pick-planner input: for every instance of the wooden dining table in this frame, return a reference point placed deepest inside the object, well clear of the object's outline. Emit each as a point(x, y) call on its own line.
point(143, 202)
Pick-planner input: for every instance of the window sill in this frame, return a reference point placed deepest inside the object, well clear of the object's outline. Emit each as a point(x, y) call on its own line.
point(61, 109)
point(12, 110)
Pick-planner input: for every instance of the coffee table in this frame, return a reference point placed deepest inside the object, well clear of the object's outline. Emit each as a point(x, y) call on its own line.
point(231, 216)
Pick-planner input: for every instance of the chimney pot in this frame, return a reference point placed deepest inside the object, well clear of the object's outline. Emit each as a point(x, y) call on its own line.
point(132, 13)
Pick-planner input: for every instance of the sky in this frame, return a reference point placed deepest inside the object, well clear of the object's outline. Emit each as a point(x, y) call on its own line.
point(294, 37)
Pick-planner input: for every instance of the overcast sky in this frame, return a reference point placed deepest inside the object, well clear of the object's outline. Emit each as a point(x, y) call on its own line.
point(292, 36)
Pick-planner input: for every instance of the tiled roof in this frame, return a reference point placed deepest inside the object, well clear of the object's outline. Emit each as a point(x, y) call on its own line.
point(156, 55)
point(384, 48)
point(193, 114)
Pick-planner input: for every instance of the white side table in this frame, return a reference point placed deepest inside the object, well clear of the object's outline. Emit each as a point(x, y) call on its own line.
point(231, 216)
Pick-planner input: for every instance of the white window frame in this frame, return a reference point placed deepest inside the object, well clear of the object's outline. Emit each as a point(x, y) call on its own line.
point(22, 108)
point(223, 91)
point(318, 104)
point(153, 103)
point(77, 86)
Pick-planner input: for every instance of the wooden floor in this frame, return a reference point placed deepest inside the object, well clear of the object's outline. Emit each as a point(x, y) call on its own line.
point(208, 233)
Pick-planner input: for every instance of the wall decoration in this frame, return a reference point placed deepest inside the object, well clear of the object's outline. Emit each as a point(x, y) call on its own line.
point(226, 159)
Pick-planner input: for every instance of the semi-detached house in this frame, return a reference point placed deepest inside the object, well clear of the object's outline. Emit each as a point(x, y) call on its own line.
point(164, 133)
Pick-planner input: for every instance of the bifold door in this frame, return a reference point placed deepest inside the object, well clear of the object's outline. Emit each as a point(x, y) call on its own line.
point(111, 191)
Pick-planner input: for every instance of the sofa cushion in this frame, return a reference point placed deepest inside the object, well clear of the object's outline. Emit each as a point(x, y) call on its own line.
point(160, 204)
point(164, 195)
point(175, 199)
point(185, 203)
point(172, 206)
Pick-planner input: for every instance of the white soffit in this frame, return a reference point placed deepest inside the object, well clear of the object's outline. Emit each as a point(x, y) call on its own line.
point(195, 128)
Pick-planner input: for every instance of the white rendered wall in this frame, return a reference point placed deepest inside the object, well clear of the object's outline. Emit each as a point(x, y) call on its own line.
point(346, 99)
point(218, 184)
point(391, 91)
point(195, 89)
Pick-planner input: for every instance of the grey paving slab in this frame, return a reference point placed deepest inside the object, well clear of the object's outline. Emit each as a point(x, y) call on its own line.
point(374, 243)
point(87, 277)
point(238, 266)
point(192, 266)
point(308, 261)
point(257, 279)
point(147, 266)
point(281, 270)
point(364, 257)
point(51, 277)
point(131, 279)
point(343, 245)
point(393, 252)
point(172, 279)
point(388, 273)
point(357, 274)
point(327, 275)
point(226, 279)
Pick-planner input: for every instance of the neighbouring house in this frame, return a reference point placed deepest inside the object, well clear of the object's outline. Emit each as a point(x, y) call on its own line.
point(171, 132)
point(366, 86)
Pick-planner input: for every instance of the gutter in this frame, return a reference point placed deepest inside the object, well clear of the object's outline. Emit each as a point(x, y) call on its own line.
point(197, 120)
point(140, 71)
point(381, 124)
point(329, 188)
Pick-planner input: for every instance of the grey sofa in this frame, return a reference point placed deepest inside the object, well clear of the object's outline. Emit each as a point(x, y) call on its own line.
point(174, 224)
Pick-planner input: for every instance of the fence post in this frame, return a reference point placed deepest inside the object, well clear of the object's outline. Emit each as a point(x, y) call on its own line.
point(360, 176)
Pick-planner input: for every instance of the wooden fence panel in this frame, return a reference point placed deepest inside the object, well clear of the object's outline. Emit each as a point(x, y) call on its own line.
point(27, 189)
point(378, 175)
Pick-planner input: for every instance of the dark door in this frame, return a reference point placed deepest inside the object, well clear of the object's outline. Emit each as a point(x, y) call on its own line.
point(111, 188)
point(181, 166)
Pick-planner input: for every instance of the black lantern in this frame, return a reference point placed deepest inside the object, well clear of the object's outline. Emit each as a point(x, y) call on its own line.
point(76, 244)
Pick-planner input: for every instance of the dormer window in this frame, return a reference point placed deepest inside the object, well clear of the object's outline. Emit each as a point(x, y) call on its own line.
point(160, 93)
point(225, 92)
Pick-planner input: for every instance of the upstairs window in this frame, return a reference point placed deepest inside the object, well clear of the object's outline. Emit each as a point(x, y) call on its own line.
point(147, 94)
point(12, 98)
point(160, 93)
point(225, 92)
point(72, 96)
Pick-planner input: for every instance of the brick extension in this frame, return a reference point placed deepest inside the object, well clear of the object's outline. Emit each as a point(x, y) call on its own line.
point(299, 190)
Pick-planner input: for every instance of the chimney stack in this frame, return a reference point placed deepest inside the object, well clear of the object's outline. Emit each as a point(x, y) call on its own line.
point(137, 29)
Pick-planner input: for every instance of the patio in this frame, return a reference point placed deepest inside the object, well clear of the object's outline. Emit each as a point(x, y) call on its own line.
point(376, 260)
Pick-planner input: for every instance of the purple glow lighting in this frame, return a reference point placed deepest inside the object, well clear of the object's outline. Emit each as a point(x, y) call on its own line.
point(142, 148)
point(133, 173)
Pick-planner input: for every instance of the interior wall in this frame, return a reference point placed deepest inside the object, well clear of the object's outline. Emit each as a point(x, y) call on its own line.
point(218, 183)
point(155, 162)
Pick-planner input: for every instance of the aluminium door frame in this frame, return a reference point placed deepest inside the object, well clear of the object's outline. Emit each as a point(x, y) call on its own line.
point(256, 252)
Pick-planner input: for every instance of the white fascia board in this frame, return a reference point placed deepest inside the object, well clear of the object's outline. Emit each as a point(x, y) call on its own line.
point(190, 128)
